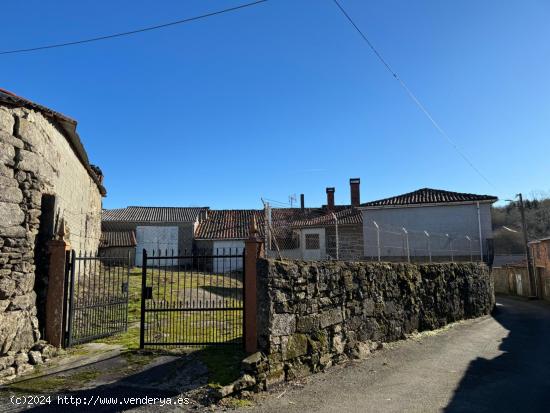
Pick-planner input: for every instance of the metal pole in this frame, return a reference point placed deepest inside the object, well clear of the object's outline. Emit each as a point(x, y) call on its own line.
point(480, 236)
point(143, 287)
point(407, 245)
point(377, 238)
point(526, 245)
point(429, 245)
point(470, 243)
point(336, 229)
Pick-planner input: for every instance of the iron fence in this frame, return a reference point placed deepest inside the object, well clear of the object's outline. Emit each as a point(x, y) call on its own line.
point(96, 301)
point(192, 300)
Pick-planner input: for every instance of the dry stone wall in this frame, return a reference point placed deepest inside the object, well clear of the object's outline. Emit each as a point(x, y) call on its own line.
point(314, 314)
point(35, 159)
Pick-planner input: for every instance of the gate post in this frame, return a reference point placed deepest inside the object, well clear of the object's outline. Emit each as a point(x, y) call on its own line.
point(55, 298)
point(253, 250)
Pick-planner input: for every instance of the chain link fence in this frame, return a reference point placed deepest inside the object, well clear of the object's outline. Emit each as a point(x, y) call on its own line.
point(341, 234)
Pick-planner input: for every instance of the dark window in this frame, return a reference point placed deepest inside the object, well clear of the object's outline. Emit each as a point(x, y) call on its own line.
point(312, 242)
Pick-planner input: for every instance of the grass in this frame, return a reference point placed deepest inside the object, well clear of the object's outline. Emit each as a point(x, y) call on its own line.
point(197, 289)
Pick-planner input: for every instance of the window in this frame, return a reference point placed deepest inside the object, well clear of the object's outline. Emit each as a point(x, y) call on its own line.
point(312, 242)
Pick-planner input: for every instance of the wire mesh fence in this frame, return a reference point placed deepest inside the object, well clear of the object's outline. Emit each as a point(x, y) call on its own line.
point(341, 234)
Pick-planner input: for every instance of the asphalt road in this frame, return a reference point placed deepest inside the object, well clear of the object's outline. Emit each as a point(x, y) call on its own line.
point(498, 363)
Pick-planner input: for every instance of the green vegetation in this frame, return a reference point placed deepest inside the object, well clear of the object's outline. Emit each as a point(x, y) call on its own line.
point(46, 384)
point(537, 217)
point(195, 326)
point(223, 362)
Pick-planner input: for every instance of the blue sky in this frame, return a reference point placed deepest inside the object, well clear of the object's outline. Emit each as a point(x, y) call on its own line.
point(286, 98)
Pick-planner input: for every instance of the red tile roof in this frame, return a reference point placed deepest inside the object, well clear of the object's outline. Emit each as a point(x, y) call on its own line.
point(117, 239)
point(230, 224)
point(152, 214)
point(429, 196)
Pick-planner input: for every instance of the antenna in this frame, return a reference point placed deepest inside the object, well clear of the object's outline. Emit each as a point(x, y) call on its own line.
point(292, 199)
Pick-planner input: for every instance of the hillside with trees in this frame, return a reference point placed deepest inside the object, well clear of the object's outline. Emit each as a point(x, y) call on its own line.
point(537, 217)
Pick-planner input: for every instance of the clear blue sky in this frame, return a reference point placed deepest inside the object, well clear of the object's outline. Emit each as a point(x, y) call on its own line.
point(286, 98)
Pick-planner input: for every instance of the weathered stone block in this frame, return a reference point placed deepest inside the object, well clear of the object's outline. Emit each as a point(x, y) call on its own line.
point(307, 324)
point(7, 154)
point(23, 302)
point(10, 215)
point(330, 317)
point(7, 121)
point(6, 361)
point(9, 139)
point(16, 324)
point(35, 357)
point(7, 287)
point(295, 347)
point(283, 324)
point(11, 194)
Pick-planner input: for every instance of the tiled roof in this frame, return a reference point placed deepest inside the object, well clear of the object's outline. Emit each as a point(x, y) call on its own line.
point(117, 239)
point(152, 214)
point(229, 224)
point(344, 216)
point(429, 196)
point(67, 125)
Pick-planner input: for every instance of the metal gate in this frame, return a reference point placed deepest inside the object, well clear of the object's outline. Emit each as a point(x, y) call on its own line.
point(96, 300)
point(186, 303)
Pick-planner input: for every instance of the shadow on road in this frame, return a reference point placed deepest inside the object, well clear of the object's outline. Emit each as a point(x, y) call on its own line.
point(519, 379)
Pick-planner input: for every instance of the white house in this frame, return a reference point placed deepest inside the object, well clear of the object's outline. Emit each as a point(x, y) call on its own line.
point(428, 222)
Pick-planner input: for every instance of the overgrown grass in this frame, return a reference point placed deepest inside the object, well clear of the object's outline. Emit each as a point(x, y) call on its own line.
point(223, 362)
point(46, 384)
point(192, 326)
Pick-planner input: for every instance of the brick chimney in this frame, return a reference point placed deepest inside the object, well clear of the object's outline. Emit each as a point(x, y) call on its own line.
point(330, 198)
point(354, 184)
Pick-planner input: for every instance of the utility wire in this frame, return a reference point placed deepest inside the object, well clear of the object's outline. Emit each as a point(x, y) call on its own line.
point(144, 29)
point(412, 95)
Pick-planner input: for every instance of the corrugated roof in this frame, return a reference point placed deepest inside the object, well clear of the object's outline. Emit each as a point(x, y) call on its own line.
point(230, 224)
point(152, 214)
point(67, 124)
point(429, 196)
point(117, 239)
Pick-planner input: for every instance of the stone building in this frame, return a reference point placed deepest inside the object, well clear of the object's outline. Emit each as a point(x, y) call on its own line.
point(46, 182)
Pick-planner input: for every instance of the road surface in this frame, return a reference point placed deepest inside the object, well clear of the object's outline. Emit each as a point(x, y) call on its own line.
point(498, 363)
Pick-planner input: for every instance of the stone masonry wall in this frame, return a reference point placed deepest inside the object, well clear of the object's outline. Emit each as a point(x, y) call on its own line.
point(314, 314)
point(35, 159)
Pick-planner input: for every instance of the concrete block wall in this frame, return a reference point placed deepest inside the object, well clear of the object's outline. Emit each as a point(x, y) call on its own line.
point(35, 159)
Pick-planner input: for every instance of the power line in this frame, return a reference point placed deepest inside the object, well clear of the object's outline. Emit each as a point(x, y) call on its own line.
point(144, 29)
point(412, 96)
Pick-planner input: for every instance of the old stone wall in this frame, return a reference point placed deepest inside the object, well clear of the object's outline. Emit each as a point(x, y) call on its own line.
point(35, 159)
point(350, 242)
point(313, 314)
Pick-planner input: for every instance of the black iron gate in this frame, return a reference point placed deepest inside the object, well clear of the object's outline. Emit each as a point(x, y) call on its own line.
point(96, 301)
point(192, 300)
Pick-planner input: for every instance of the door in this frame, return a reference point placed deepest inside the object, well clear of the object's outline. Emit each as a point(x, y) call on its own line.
point(154, 239)
point(222, 265)
point(313, 244)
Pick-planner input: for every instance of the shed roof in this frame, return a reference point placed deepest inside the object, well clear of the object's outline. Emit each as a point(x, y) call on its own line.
point(67, 124)
point(152, 214)
point(430, 196)
point(117, 239)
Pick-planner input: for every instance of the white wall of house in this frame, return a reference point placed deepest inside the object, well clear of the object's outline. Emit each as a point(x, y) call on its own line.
point(227, 247)
point(310, 251)
point(155, 239)
point(458, 221)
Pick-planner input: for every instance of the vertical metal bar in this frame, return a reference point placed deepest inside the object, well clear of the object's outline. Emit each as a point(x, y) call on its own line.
point(71, 301)
point(143, 288)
